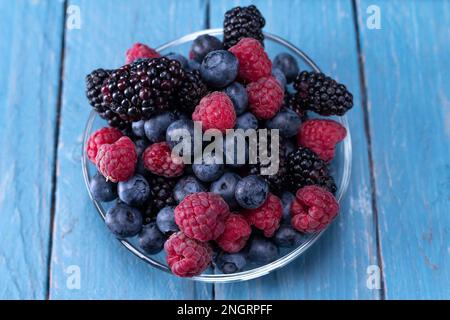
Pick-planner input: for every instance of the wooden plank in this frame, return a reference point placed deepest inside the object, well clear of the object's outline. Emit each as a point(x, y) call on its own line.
point(30, 46)
point(108, 271)
point(406, 64)
point(335, 267)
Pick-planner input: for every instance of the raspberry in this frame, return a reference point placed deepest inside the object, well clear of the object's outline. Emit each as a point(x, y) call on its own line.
point(215, 111)
point(236, 233)
point(117, 161)
point(187, 257)
point(98, 138)
point(140, 51)
point(202, 216)
point(159, 160)
point(321, 136)
point(265, 97)
point(313, 209)
point(267, 217)
point(254, 63)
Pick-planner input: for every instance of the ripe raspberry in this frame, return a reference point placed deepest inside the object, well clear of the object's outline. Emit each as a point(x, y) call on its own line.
point(187, 257)
point(267, 217)
point(98, 138)
point(117, 161)
point(159, 160)
point(140, 51)
point(236, 233)
point(254, 62)
point(265, 97)
point(313, 209)
point(202, 216)
point(215, 111)
point(321, 136)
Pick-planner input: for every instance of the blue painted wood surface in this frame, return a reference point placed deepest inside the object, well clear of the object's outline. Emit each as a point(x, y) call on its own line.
point(400, 137)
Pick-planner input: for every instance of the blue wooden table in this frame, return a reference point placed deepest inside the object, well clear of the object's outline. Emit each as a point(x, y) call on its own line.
point(394, 222)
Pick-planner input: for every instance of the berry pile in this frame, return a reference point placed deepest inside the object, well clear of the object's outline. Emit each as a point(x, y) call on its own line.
point(226, 213)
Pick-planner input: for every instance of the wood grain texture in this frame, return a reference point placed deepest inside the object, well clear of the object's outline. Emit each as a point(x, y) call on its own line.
point(407, 77)
point(335, 267)
point(29, 81)
point(108, 270)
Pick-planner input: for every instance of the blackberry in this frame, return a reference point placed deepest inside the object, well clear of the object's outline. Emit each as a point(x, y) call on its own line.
point(305, 168)
point(276, 181)
point(161, 195)
point(142, 89)
point(94, 83)
point(291, 103)
point(242, 22)
point(321, 94)
point(191, 91)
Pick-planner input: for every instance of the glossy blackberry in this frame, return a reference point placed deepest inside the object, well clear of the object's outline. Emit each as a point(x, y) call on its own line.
point(276, 181)
point(242, 22)
point(291, 103)
point(305, 168)
point(191, 91)
point(321, 94)
point(161, 195)
point(142, 89)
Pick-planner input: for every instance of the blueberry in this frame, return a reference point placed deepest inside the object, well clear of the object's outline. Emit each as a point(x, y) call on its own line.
point(135, 191)
point(287, 63)
point(165, 220)
point(219, 68)
point(186, 186)
point(193, 65)
point(234, 156)
point(225, 187)
point(286, 201)
point(151, 240)
point(141, 145)
point(246, 121)
point(155, 127)
point(203, 45)
point(138, 128)
point(231, 262)
point(279, 75)
point(101, 189)
point(176, 132)
point(289, 146)
point(287, 237)
point(251, 192)
point(209, 170)
point(262, 250)
point(287, 121)
point(123, 221)
point(238, 95)
point(178, 57)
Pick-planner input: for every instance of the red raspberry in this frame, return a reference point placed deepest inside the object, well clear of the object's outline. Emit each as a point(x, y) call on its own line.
point(202, 216)
point(254, 63)
point(98, 138)
point(321, 136)
point(215, 111)
point(159, 160)
point(187, 257)
point(236, 233)
point(139, 50)
point(313, 209)
point(117, 161)
point(267, 217)
point(265, 97)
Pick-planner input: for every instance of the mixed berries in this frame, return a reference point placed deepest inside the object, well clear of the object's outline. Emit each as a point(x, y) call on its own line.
point(228, 214)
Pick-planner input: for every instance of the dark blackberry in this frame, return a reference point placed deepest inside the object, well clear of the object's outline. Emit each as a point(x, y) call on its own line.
point(291, 103)
point(321, 94)
point(276, 181)
point(305, 168)
point(142, 89)
point(94, 83)
point(161, 195)
point(191, 91)
point(242, 22)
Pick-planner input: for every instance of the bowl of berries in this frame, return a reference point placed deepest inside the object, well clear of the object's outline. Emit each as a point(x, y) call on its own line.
point(220, 156)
